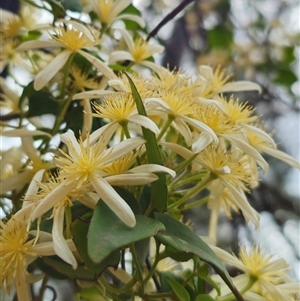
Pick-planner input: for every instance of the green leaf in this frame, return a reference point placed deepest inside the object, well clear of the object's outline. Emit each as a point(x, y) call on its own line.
point(79, 229)
point(204, 297)
point(220, 37)
point(39, 102)
point(73, 5)
point(107, 233)
point(204, 274)
point(159, 192)
point(179, 290)
point(57, 268)
point(183, 239)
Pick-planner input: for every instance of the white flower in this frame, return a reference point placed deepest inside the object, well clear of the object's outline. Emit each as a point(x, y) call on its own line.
point(74, 37)
point(83, 165)
point(138, 51)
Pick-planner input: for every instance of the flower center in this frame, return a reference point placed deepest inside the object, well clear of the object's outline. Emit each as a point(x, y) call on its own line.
point(71, 38)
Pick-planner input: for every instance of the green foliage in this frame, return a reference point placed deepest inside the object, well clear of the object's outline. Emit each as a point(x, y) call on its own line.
point(179, 290)
point(107, 233)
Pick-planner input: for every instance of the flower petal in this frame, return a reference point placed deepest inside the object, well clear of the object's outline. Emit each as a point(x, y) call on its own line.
point(136, 19)
point(42, 79)
point(59, 243)
point(282, 156)
point(153, 168)
point(202, 142)
point(71, 142)
point(56, 195)
point(242, 85)
point(144, 122)
point(113, 201)
point(92, 94)
point(140, 178)
point(98, 64)
point(120, 55)
point(37, 44)
point(122, 149)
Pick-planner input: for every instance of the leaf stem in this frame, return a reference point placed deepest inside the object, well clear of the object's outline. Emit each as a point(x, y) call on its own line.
point(166, 126)
point(193, 191)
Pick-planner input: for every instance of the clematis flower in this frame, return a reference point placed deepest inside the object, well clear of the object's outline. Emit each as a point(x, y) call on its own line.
point(17, 251)
point(120, 108)
point(227, 168)
point(138, 51)
point(178, 108)
point(213, 82)
point(262, 274)
point(109, 11)
point(84, 165)
point(74, 38)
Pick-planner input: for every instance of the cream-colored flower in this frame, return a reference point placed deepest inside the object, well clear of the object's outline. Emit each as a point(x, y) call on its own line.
point(74, 38)
point(262, 273)
point(227, 168)
point(138, 51)
point(18, 250)
point(84, 165)
point(109, 11)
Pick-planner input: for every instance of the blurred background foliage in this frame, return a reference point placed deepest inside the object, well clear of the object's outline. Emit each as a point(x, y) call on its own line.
point(254, 40)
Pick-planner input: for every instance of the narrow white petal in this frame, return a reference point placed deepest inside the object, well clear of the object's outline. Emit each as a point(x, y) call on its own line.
point(59, 243)
point(23, 133)
point(23, 214)
point(202, 142)
point(33, 187)
point(122, 149)
point(22, 286)
point(98, 64)
point(136, 19)
point(276, 293)
point(118, 6)
point(153, 66)
point(120, 55)
point(87, 119)
point(92, 94)
point(29, 149)
point(145, 122)
point(16, 181)
point(105, 132)
point(240, 86)
point(71, 142)
point(158, 103)
point(249, 150)
point(228, 258)
point(37, 44)
point(128, 39)
point(118, 85)
point(260, 133)
point(201, 126)
point(42, 79)
point(282, 156)
point(206, 101)
point(241, 202)
point(153, 168)
point(140, 178)
point(180, 150)
point(114, 201)
point(56, 195)
point(184, 130)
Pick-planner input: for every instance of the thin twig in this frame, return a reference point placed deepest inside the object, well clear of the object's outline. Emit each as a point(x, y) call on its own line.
point(169, 17)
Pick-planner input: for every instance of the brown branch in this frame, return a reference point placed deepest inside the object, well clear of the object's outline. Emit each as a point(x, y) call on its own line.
point(168, 18)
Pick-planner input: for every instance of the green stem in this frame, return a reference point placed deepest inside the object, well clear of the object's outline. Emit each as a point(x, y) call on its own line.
point(185, 163)
point(124, 126)
point(187, 180)
point(232, 297)
point(196, 189)
point(62, 114)
point(117, 290)
point(68, 216)
point(137, 267)
point(196, 203)
point(166, 126)
point(66, 73)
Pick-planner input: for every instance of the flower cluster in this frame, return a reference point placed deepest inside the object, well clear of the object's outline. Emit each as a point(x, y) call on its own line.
point(127, 153)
